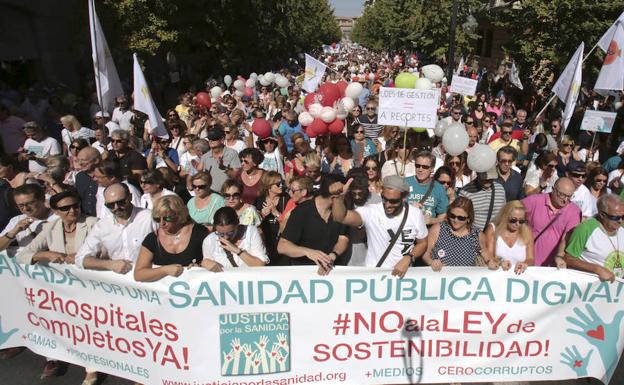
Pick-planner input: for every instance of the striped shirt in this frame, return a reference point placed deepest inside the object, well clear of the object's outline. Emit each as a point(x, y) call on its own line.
point(481, 201)
point(371, 128)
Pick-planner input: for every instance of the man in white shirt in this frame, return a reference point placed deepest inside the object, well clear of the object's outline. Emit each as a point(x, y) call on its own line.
point(577, 172)
point(102, 141)
point(115, 241)
point(37, 148)
point(108, 173)
point(121, 114)
point(382, 221)
point(23, 228)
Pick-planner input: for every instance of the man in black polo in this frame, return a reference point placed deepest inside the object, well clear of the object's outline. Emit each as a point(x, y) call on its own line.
point(132, 163)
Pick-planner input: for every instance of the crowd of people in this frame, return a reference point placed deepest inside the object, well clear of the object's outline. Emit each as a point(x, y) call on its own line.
point(107, 194)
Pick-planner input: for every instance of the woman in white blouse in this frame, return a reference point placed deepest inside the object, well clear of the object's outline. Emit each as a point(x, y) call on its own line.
point(232, 244)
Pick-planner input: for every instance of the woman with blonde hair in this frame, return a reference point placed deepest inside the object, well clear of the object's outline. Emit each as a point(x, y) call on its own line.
point(72, 129)
point(510, 239)
point(177, 242)
point(205, 202)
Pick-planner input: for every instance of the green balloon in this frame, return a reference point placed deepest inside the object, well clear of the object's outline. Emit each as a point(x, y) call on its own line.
point(405, 80)
point(419, 129)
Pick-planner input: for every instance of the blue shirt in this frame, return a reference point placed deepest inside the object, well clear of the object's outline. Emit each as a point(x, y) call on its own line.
point(437, 202)
point(172, 153)
point(286, 131)
point(612, 163)
point(369, 148)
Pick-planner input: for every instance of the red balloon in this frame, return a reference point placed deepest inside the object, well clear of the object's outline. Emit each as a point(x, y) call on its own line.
point(342, 86)
point(309, 99)
point(311, 133)
point(248, 91)
point(318, 126)
point(330, 93)
point(203, 99)
point(262, 128)
point(336, 127)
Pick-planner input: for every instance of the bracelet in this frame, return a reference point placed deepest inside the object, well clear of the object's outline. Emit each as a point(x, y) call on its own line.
point(7, 235)
point(240, 251)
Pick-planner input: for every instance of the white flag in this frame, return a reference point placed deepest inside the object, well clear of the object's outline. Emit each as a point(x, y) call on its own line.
point(611, 76)
point(569, 83)
point(514, 75)
point(605, 40)
point(314, 71)
point(143, 102)
point(106, 78)
point(460, 67)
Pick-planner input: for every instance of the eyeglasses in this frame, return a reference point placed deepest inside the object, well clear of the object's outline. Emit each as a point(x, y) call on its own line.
point(506, 132)
point(370, 108)
point(562, 195)
point(75, 147)
point(117, 140)
point(175, 128)
point(200, 186)
point(513, 221)
point(506, 161)
point(577, 175)
point(600, 181)
point(226, 234)
point(469, 122)
point(486, 120)
point(359, 132)
point(146, 182)
point(460, 218)
point(616, 218)
point(567, 144)
point(232, 196)
point(121, 203)
point(423, 166)
point(456, 113)
point(391, 201)
point(373, 168)
point(26, 204)
point(166, 218)
point(74, 206)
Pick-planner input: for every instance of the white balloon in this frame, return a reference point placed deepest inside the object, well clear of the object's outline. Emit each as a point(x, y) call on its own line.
point(253, 75)
point(215, 92)
point(423, 84)
point(455, 140)
point(305, 118)
point(440, 127)
point(347, 103)
point(371, 77)
point(481, 158)
point(264, 81)
point(251, 83)
point(281, 81)
point(239, 93)
point(315, 109)
point(328, 114)
point(270, 77)
point(354, 90)
point(239, 84)
point(227, 79)
point(341, 114)
point(433, 72)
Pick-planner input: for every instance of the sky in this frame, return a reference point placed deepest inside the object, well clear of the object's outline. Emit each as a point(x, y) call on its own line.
point(347, 7)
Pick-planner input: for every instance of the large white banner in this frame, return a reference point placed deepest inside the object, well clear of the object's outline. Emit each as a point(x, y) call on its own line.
point(407, 107)
point(273, 326)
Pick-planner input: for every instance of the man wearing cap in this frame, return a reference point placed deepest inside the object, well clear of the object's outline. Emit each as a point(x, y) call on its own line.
point(382, 222)
point(102, 119)
point(487, 196)
point(577, 172)
point(161, 155)
point(220, 162)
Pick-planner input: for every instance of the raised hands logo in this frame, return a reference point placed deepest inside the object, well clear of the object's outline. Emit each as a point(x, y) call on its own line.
point(4, 336)
point(572, 357)
point(597, 332)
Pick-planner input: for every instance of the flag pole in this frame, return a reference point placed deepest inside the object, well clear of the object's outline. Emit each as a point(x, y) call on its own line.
point(404, 149)
point(97, 63)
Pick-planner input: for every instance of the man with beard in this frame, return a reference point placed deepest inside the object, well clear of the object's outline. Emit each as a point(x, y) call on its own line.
point(114, 242)
point(396, 233)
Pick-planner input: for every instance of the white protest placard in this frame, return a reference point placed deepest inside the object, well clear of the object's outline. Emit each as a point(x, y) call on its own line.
point(407, 107)
point(599, 121)
point(464, 86)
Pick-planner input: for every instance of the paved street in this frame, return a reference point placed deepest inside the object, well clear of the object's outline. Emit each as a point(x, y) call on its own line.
point(26, 368)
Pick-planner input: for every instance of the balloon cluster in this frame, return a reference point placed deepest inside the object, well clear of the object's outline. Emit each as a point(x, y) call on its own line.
point(327, 108)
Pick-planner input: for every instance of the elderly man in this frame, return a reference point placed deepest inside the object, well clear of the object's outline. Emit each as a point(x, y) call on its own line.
point(552, 216)
point(220, 162)
point(368, 120)
point(597, 244)
point(23, 228)
point(487, 196)
point(86, 185)
point(396, 233)
point(131, 161)
point(114, 242)
point(520, 123)
point(122, 115)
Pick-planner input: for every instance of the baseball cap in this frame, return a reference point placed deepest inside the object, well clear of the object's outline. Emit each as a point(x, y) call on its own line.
point(576, 166)
point(102, 114)
point(216, 134)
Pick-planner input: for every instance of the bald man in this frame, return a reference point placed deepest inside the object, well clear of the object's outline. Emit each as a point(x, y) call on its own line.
point(551, 216)
point(88, 159)
point(114, 242)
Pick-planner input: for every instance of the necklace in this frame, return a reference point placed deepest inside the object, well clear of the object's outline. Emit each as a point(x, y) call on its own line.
point(69, 231)
point(176, 235)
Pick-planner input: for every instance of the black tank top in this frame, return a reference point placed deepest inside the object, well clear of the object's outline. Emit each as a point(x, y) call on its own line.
point(192, 252)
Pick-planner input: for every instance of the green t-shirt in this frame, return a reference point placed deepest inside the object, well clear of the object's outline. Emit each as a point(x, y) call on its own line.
point(436, 202)
point(590, 243)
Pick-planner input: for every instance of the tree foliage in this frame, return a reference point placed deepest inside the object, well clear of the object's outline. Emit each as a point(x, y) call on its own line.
point(545, 34)
point(414, 25)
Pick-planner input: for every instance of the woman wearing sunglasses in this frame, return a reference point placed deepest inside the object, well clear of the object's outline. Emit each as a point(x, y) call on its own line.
point(205, 203)
point(232, 192)
point(271, 205)
point(445, 176)
point(510, 238)
point(176, 244)
point(596, 183)
point(153, 185)
point(373, 172)
point(456, 242)
point(232, 244)
point(566, 154)
point(541, 175)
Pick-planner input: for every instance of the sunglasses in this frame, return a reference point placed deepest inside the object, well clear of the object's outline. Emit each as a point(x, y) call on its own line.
point(513, 221)
point(577, 175)
point(117, 141)
point(616, 218)
point(445, 182)
point(600, 181)
point(567, 144)
point(121, 203)
point(75, 206)
point(423, 166)
point(359, 132)
point(200, 186)
point(373, 168)
point(486, 120)
point(226, 132)
point(506, 132)
point(460, 218)
point(74, 147)
point(278, 184)
point(167, 218)
point(227, 234)
point(469, 122)
point(146, 182)
point(370, 108)
point(391, 201)
point(232, 196)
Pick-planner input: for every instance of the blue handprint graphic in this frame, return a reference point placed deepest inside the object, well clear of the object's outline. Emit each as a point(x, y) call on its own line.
point(604, 336)
point(4, 336)
point(572, 358)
